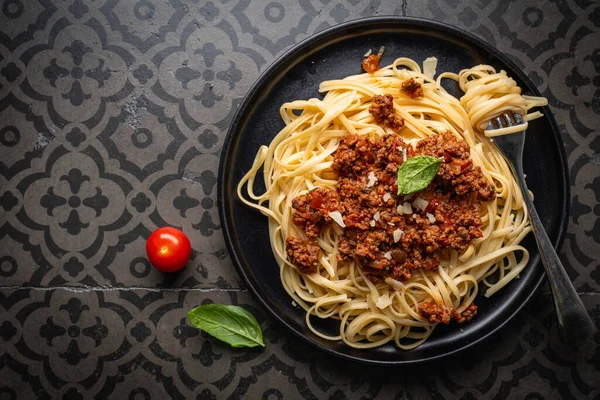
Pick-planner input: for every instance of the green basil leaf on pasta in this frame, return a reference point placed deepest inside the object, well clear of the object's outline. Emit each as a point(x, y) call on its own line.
point(416, 173)
point(233, 325)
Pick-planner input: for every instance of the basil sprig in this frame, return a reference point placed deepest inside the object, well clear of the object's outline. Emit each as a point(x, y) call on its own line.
point(232, 324)
point(416, 173)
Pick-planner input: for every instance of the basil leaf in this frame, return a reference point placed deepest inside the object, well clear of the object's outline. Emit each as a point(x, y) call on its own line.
point(416, 173)
point(232, 324)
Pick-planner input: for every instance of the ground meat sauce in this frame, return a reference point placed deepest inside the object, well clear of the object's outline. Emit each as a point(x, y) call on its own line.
point(382, 109)
point(379, 236)
point(412, 88)
point(371, 213)
point(436, 313)
point(371, 63)
point(311, 210)
point(304, 254)
point(457, 173)
point(466, 315)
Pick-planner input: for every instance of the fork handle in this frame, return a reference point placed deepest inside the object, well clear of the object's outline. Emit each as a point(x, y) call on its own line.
point(575, 326)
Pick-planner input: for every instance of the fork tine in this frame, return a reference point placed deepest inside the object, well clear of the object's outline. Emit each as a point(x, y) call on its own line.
point(499, 122)
point(519, 119)
point(508, 117)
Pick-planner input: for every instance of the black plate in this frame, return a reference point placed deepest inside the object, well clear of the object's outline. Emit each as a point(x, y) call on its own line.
point(335, 53)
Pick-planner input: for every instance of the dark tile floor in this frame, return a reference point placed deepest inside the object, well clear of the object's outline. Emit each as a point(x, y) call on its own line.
point(112, 118)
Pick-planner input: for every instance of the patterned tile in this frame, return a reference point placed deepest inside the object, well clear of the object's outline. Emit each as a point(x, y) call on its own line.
point(113, 342)
point(21, 21)
point(112, 118)
point(106, 343)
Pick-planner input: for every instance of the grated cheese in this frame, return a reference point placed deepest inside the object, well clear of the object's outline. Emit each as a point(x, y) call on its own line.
point(420, 203)
point(368, 53)
point(383, 301)
point(431, 217)
point(429, 67)
point(388, 255)
point(372, 223)
point(372, 179)
point(386, 197)
point(337, 217)
point(397, 235)
point(407, 208)
point(377, 216)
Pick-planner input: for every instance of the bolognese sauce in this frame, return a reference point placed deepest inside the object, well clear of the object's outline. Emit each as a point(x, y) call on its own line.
point(436, 313)
point(412, 88)
point(304, 254)
point(389, 235)
point(371, 63)
point(382, 109)
point(311, 210)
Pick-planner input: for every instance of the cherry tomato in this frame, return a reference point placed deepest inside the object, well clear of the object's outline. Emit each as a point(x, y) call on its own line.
point(168, 249)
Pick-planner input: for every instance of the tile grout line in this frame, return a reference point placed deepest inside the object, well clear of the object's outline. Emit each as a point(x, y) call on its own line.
point(84, 289)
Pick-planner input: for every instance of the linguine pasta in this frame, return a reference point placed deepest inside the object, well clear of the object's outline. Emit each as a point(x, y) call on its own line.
point(299, 159)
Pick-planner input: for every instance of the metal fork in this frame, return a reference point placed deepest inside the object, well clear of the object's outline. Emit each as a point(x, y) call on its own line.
point(575, 326)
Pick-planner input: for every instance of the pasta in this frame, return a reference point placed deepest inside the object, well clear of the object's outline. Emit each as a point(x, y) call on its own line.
point(299, 159)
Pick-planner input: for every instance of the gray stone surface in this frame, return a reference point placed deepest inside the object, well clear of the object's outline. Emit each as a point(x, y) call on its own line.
point(112, 119)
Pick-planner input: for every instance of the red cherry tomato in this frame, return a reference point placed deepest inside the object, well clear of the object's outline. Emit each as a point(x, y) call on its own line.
point(168, 249)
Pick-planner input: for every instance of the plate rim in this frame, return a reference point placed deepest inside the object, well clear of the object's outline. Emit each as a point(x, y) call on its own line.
point(422, 23)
